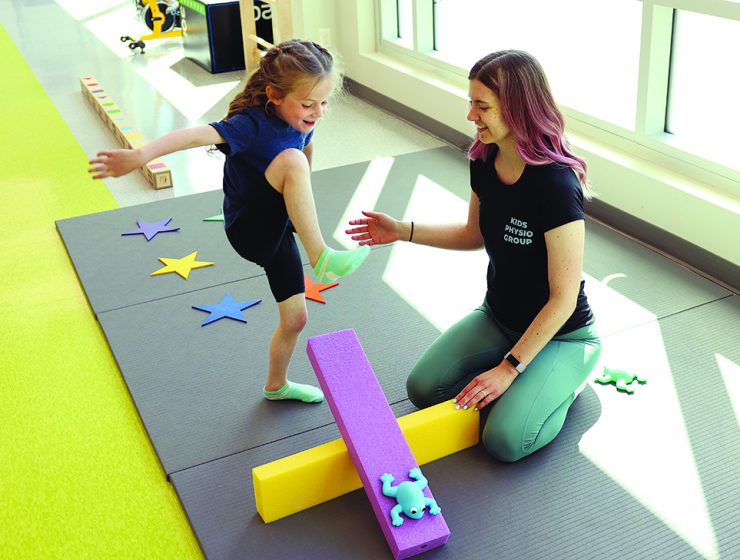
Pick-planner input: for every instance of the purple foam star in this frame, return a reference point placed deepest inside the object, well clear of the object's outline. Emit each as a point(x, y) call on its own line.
point(227, 307)
point(150, 229)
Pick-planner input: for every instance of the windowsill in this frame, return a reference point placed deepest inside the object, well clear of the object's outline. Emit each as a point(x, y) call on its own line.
point(648, 168)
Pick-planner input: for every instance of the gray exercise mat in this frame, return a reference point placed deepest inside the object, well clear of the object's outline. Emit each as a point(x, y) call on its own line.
point(115, 270)
point(629, 284)
point(675, 442)
point(560, 502)
point(447, 167)
point(197, 389)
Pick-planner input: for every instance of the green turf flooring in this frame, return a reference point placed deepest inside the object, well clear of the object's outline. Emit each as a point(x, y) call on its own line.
point(78, 476)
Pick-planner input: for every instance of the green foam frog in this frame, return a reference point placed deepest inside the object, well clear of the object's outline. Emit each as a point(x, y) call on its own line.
point(622, 379)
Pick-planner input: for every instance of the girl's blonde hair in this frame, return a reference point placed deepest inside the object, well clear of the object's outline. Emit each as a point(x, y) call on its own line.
point(284, 68)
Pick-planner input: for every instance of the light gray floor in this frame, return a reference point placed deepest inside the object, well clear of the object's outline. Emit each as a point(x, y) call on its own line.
point(162, 91)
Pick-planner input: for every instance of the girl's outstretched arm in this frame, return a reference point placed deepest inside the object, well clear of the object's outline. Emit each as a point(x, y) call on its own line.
point(114, 163)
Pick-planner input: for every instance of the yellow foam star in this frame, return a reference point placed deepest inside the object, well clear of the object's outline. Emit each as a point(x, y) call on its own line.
point(182, 266)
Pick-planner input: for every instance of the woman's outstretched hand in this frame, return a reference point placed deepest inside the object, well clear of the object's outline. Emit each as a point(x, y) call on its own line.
point(374, 229)
point(115, 163)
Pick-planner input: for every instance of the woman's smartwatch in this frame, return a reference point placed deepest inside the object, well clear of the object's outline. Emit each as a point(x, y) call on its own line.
point(520, 367)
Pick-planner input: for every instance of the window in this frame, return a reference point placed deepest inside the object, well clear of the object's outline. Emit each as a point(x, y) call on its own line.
point(591, 60)
point(704, 90)
point(661, 73)
point(405, 23)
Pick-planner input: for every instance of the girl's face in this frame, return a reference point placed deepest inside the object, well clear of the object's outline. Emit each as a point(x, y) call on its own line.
point(303, 107)
point(485, 112)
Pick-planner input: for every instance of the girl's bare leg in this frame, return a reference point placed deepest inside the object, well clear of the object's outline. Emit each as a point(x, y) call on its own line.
point(293, 318)
point(290, 174)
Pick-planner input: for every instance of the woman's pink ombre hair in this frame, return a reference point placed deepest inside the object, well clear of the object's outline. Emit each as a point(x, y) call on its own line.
point(528, 109)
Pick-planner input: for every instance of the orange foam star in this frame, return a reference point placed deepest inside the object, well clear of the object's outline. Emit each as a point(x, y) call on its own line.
point(313, 290)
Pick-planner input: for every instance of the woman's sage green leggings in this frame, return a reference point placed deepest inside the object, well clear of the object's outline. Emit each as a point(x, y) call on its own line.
point(532, 411)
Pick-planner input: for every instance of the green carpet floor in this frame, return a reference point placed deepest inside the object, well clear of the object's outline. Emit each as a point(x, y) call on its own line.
point(78, 476)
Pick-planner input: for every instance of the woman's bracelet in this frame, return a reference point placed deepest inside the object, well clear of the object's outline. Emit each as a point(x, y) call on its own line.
point(412, 232)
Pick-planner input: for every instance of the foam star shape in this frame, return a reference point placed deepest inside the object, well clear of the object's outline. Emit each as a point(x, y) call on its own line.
point(150, 229)
point(227, 307)
point(313, 290)
point(216, 218)
point(182, 266)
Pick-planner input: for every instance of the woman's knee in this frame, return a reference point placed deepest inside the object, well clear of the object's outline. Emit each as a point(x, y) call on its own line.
point(511, 439)
point(420, 393)
point(504, 445)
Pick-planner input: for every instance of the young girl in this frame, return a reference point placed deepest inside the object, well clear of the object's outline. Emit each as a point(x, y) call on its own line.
point(266, 137)
point(526, 209)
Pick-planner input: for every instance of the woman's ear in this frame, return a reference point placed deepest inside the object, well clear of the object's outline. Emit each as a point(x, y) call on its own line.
point(272, 96)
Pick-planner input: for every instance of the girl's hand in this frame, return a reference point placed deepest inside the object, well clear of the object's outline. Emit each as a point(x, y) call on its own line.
point(375, 229)
point(115, 163)
point(486, 387)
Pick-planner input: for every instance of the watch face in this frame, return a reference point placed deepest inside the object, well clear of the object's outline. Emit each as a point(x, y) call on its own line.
point(514, 362)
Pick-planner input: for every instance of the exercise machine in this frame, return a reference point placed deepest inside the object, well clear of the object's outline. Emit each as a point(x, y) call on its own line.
point(161, 16)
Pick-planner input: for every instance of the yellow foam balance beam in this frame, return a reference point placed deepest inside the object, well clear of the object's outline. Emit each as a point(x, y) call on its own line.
point(325, 472)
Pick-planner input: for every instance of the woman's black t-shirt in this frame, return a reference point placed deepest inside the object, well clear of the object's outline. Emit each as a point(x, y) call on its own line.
point(513, 221)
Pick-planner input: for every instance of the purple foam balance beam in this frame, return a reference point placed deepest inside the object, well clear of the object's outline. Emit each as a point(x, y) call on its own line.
point(373, 437)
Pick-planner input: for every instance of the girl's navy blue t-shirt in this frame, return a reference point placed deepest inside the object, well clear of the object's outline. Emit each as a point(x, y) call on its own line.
point(253, 139)
point(513, 221)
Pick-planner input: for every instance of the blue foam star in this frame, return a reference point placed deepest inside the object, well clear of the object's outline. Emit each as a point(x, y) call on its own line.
point(150, 229)
point(227, 307)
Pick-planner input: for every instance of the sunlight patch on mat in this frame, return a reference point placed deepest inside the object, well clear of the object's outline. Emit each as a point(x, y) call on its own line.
point(614, 312)
point(731, 376)
point(441, 285)
point(641, 440)
point(365, 197)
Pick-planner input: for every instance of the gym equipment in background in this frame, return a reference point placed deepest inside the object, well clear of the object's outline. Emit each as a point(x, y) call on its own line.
point(161, 16)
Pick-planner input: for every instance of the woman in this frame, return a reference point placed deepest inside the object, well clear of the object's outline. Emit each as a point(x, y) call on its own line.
point(526, 208)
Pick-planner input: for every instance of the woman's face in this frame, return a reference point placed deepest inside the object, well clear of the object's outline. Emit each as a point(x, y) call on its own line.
point(303, 107)
point(485, 112)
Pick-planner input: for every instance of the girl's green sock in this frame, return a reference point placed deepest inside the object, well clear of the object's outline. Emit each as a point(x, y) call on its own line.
point(295, 391)
point(333, 264)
